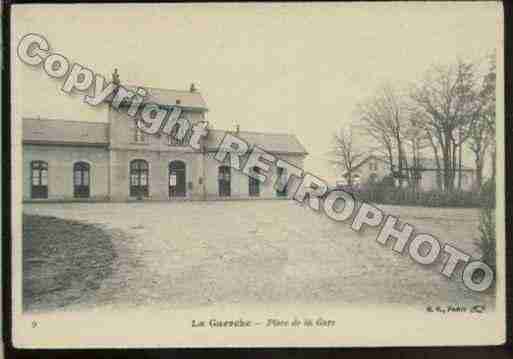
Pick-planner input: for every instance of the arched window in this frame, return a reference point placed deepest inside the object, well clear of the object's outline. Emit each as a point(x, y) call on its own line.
point(139, 178)
point(282, 176)
point(81, 187)
point(224, 180)
point(39, 179)
point(254, 184)
point(177, 177)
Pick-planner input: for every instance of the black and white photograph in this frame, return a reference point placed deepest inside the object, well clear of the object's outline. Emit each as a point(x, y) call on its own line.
point(257, 174)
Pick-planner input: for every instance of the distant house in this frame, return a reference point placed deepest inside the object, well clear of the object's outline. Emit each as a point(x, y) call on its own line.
point(374, 169)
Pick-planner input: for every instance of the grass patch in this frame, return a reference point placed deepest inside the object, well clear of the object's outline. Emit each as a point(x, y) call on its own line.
point(63, 261)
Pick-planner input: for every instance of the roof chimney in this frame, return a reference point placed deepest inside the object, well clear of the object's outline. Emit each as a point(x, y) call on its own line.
point(115, 77)
point(193, 87)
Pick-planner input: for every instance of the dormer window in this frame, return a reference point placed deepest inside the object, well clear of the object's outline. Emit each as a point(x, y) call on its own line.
point(172, 139)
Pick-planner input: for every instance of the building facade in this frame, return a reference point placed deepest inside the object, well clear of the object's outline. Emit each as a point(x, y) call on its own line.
point(374, 169)
point(116, 161)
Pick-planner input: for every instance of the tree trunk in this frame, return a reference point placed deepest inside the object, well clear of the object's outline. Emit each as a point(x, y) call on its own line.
point(390, 158)
point(494, 164)
point(479, 174)
point(437, 161)
point(453, 164)
point(399, 160)
point(413, 168)
point(459, 161)
point(447, 168)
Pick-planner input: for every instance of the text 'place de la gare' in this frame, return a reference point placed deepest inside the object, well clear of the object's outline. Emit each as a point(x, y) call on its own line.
point(114, 160)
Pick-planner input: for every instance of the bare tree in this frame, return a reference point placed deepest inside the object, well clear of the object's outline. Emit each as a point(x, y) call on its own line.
point(415, 140)
point(384, 119)
point(375, 125)
point(346, 155)
point(488, 95)
point(479, 142)
point(482, 129)
point(448, 97)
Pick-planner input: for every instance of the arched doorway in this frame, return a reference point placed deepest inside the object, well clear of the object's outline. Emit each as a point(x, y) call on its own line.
point(281, 173)
point(224, 181)
point(81, 187)
point(177, 177)
point(139, 178)
point(39, 179)
point(254, 184)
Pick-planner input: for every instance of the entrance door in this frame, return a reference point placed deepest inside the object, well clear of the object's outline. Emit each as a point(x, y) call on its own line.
point(281, 175)
point(177, 181)
point(254, 184)
point(81, 180)
point(39, 179)
point(224, 181)
point(139, 179)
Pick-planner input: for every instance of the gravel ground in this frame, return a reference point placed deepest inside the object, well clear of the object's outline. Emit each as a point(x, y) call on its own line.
point(193, 254)
point(63, 261)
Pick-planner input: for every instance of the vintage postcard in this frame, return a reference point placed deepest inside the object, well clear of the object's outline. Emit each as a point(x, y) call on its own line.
point(257, 174)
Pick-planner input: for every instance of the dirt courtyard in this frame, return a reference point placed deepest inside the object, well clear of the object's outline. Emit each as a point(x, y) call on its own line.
point(191, 254)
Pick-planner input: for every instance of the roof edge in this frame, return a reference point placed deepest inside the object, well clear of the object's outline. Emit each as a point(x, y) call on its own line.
point(254, 132)
point(213, 149)
point(60, 120)
point(65, 143)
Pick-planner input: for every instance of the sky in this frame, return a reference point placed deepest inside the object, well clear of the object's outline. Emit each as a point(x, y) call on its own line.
point(298, 68)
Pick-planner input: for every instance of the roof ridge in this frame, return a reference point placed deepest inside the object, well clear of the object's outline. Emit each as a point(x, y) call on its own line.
point(62, 120)
point(256, 132)
point(161, 88)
